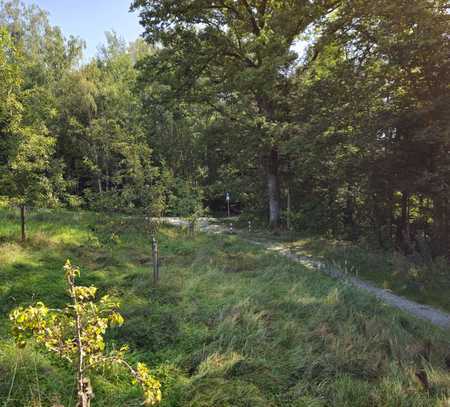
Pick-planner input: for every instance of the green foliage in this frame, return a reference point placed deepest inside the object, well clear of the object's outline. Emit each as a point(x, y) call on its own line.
point(355, 127)
point(10, 75)
point(185, 199)
point(26, 181)
point(232, 60)
point(349, 128)
point(365, 170)
point(28, 176)
point(76, 334)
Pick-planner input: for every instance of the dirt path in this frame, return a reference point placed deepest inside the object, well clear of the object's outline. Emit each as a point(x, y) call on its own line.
point(425, 312)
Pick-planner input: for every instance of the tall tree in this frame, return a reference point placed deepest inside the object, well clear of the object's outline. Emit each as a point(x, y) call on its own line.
point(240, 51)
point(26, 147)
point(374, 123)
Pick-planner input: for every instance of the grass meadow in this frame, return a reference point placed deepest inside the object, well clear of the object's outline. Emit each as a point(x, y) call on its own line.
point(228, 324)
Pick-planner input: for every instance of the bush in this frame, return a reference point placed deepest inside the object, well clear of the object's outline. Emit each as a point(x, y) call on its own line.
point(74, 202)
point(4, 203)
point(185, 199)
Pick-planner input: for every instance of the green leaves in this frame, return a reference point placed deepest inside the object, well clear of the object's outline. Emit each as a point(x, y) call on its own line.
point(152, 387)
point(26, 148)
point(76, 333)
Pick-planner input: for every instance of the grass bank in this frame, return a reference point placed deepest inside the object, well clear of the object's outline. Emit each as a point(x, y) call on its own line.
point(229, 325)
point(420, 279)
point(418, 276)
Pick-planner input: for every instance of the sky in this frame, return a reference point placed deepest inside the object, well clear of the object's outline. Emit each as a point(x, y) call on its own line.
point(89, 19)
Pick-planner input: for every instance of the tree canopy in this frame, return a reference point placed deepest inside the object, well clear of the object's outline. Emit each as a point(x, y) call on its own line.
point(331, 113)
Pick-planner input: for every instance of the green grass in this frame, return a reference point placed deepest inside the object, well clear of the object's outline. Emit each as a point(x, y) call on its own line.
point(417, 277)
point(228, 325)
point(422, 280)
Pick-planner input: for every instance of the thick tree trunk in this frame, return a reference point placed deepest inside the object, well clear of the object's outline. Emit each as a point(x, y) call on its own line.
point(347, 217)
point(273, 187)
point(273, 182)
point(441, 228)
point(403, 230)
point(22, 223)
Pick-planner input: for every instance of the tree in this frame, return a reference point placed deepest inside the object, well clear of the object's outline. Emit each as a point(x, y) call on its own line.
point(233, 51)
point(31, 174)
point(10, 106)
point(76, 335)
point(27, 148)
point(26, 180)
point(372, 125)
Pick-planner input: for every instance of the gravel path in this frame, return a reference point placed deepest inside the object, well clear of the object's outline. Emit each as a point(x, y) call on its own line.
point(425, 312)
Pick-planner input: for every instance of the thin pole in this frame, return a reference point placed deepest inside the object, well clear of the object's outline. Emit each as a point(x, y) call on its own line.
point(22, 221)
point(155, 260)
point(289, 209)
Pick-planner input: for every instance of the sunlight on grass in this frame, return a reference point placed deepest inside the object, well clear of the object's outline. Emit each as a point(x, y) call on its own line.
point(227, 325)
point(11, 253)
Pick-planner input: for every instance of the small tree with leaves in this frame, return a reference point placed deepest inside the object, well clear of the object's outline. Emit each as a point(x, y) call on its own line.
point(76, 334)
point(26, 149)
point(27, 180)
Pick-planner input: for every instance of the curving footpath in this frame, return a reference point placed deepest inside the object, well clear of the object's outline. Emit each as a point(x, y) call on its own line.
point(434, 316)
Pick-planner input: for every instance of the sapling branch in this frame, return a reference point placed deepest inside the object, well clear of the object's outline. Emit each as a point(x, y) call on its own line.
point(76, 334)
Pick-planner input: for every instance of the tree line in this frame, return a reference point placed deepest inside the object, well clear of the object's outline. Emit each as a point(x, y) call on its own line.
point(331, 116)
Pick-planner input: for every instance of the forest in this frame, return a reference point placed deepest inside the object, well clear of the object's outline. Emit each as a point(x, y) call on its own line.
point(342, 106)
point(325, 119)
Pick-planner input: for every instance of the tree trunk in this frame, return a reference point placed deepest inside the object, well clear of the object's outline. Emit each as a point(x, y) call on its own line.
point(441, 227)
point(273, 186)
point(84, 389)
point(22, 222)
point(99, 184)
point(85, 393)
point(347, 218)
point(403, 230)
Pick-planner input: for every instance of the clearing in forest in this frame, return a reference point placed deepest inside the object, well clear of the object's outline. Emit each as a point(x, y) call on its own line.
point(228, 325)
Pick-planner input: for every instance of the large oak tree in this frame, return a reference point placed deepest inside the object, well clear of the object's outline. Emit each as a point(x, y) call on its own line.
point(239, 51)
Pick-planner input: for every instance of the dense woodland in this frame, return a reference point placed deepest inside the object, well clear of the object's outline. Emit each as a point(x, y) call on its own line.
point(328, 116)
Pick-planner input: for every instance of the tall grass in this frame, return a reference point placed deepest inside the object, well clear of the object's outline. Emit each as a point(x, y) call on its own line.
point(417, 276)
point(228, 325)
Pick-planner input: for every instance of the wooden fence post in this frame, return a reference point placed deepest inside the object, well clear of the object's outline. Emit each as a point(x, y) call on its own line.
point(192, 226)
point(22, 222)
point(155, 260)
